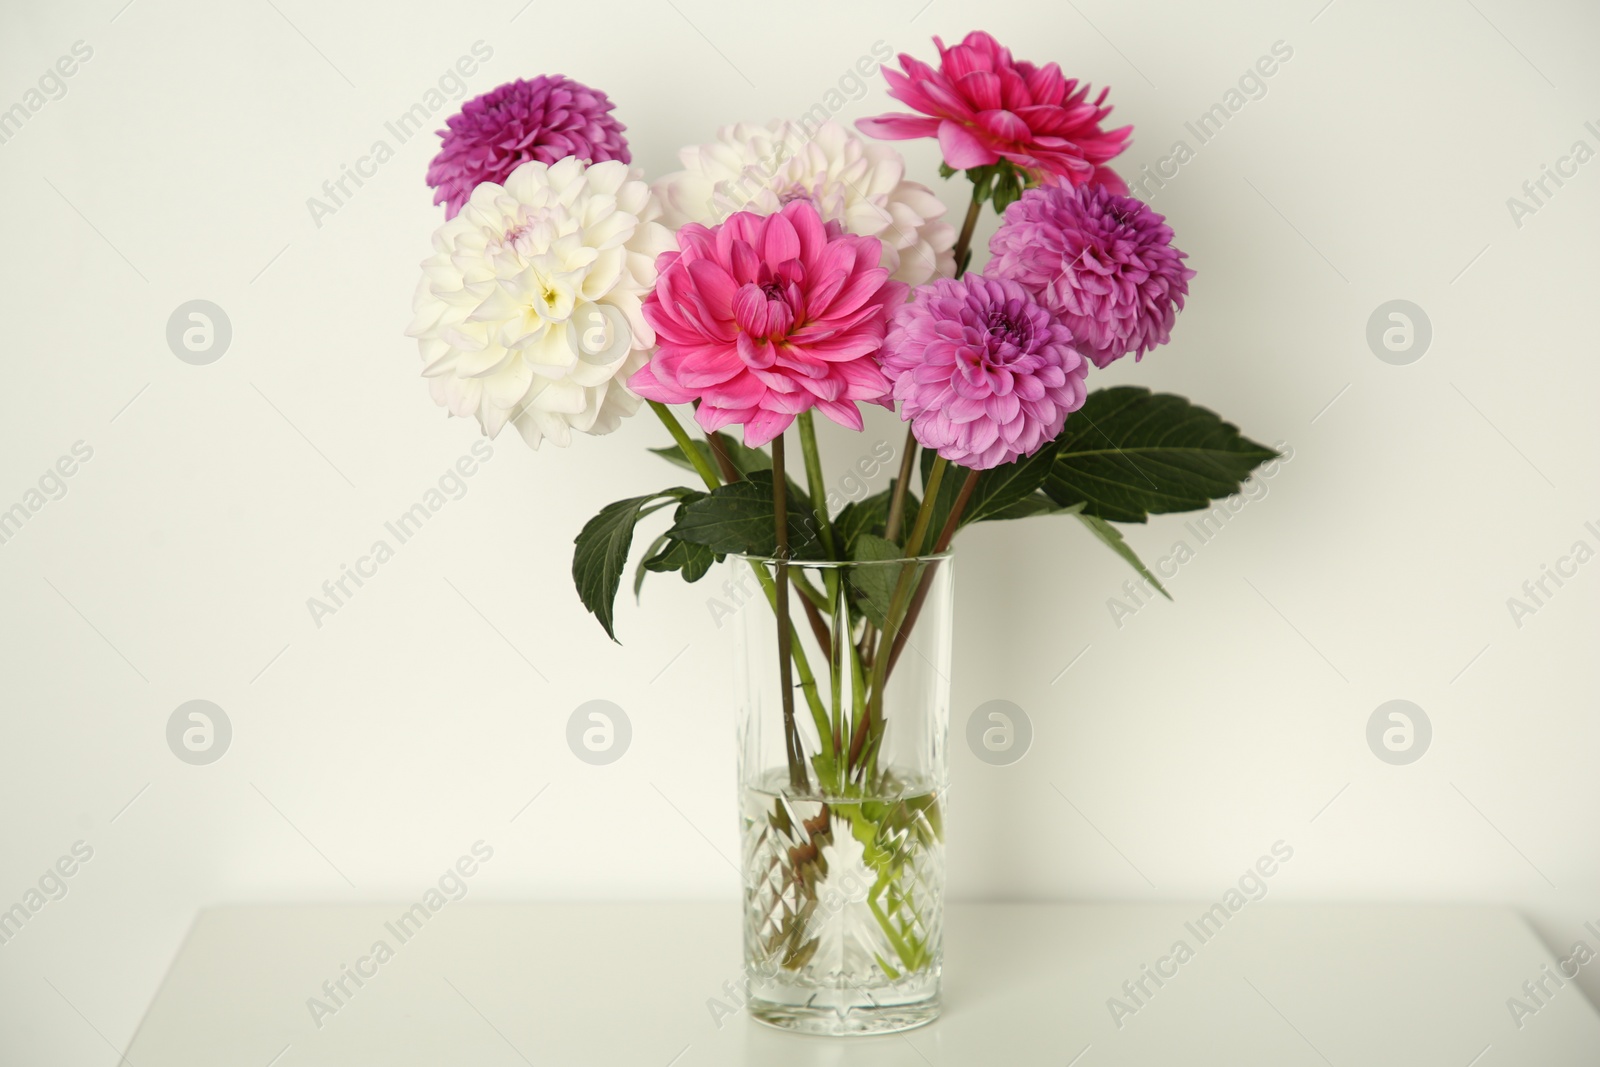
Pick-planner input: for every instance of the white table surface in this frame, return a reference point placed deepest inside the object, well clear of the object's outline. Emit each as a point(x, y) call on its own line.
point(483, 985)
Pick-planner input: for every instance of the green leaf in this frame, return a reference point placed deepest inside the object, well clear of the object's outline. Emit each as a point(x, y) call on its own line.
point(666, 554)
point(639, 572)
point(860, 517)
point(1111, 537)
point(1031, 505)
point(692, 559)
point(745, 460)
point(873, 586)
point(1129, 453)
point(998, 488)
point(946, 170)
point(739, 518)
point(601, 550)
point(868, 516)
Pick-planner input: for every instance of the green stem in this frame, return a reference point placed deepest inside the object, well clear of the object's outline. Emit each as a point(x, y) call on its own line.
point(817, 598)
point(897, 503)
point(719, 452)
point(951, 525)
point(679, 435)
point(830, 575)
point(963, 246)
point(925, 513)
point(814, 482)
point(799, 779)
point(897, 607)
point(802, 666)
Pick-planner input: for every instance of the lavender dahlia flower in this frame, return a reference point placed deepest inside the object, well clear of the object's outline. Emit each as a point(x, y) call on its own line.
point(982, 371)
point(1103, 263)
point(546, 119)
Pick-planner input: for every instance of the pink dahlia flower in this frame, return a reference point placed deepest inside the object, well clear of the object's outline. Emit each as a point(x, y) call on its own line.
point(1103, 263)
point(766, 316)
point(982, 370)
point(547, 119)
point(984, 106)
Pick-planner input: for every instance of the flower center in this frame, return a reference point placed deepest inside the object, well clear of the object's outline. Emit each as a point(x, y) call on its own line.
point(1008, 335)
point(532, 229)
point(765, 310)
point(550, 298)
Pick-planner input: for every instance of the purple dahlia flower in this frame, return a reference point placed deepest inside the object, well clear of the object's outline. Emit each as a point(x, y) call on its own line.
point(982, 370)
point(1103, 263)
point(547, 119)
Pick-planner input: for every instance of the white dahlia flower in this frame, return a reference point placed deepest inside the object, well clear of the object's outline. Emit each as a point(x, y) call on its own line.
point(857, 183)
point(528, 311)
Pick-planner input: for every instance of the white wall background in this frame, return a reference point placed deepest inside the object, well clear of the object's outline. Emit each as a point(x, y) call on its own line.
point(369, 753)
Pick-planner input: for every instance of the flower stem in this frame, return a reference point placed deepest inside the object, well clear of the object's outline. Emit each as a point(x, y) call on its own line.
point(798, 778)
point(830, 575)
point(925, 512)
point(802, 667)
point(897, 607)
point(948, 534)
point(719, 452)
point(963, 247)
point(685, 444)
point(897, 503)
point(814, 482)
point(945, 537)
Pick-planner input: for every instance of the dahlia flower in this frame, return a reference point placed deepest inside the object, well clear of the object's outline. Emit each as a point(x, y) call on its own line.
point(529, 309)
point(856, 183)
point(982, 371)
point(1103, 263)
point(547, 119)
point(984, 106)
point(766, 316)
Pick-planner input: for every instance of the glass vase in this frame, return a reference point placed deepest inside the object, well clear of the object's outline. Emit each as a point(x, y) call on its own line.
point(843, 773)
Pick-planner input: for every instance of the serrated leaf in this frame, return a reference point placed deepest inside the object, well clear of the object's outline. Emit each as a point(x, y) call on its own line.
point(738, 518)
point(692, 559)
point(1129, 453)
point(874, 586)
point(1111, 537)
point(600, 551)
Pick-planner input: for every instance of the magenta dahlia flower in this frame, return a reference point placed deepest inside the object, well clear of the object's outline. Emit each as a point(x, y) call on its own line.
point(764, 317)
point(547, 119)
point(984, 106)
point(982, 371)
point(1104, 264)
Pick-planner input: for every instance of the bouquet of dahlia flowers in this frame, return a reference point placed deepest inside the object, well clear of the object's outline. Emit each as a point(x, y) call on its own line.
point(790, 271)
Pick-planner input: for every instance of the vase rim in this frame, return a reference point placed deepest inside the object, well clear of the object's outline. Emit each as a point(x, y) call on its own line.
point(840, 564)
